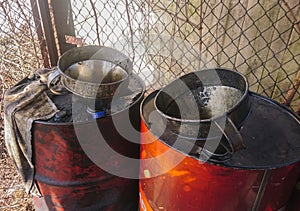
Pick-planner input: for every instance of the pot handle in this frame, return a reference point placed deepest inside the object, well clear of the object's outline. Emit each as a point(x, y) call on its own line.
point(232, 136)
point(54, 83)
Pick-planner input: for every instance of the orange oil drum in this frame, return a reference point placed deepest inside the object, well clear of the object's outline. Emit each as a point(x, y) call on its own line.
point(261, 176)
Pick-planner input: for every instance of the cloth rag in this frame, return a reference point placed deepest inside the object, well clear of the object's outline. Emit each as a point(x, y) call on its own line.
point(24, 103)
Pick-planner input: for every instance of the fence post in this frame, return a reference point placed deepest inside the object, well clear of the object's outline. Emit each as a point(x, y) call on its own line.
point(40, 32)
point(57, 20)
point(63, 24)
point(48, 30)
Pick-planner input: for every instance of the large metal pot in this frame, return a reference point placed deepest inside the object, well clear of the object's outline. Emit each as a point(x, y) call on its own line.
point(206, 105)
point(92, 71)
point(259, 177)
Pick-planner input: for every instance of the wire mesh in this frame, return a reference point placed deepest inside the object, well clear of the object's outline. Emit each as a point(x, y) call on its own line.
point(165, 39)
point(169, 38)
point(20, 55)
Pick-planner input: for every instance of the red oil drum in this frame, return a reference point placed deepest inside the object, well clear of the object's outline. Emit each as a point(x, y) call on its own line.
point(66, 176)
point(258, 176)
point(82, 155)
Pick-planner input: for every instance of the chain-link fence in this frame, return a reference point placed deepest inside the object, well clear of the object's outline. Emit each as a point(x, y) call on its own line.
point(258, 38)
point(20, 55)
point(165, 39)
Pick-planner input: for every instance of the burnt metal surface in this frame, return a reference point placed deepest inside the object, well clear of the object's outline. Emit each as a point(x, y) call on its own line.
point(69, 180)
point(268, 143)
point(201, 86)
point(204, 101)
point(271, 135)
point(259, 177)
point(78, 109)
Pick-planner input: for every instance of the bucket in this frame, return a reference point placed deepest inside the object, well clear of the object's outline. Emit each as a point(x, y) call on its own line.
point(210, 108)
point(250, 163)
point(92, 71)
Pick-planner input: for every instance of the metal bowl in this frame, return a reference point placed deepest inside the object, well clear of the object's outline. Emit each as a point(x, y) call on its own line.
point(206, 104)
point(93, 71)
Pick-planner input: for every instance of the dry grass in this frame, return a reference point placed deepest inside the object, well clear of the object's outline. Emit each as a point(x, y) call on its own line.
point(19, 56)
point(12, 194)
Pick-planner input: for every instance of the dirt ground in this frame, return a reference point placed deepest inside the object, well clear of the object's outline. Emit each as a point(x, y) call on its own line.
point(12, 194)
point(18, 59)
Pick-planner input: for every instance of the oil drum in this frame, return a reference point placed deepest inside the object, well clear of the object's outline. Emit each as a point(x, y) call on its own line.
point(66, 176)
point(81, 154)
point(192, 160)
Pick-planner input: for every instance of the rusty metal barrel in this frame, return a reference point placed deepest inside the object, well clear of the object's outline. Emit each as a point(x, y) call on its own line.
point(69, 180)
point(185, 167)
point(74, 169)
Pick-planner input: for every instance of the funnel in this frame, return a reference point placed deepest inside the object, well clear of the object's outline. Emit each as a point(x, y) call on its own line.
point(93, 72)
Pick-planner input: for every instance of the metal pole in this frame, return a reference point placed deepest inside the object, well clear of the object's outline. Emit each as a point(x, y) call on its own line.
point(48, 30)
point(40, 32)
point(63, 24)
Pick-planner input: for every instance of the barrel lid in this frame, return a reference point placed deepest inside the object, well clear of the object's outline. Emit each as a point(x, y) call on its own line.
point(271, 134)
point(74, 109)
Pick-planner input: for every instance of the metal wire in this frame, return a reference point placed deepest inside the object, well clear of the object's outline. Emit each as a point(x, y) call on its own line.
point(165, 39)
point(170, 38)
point(20, 55)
